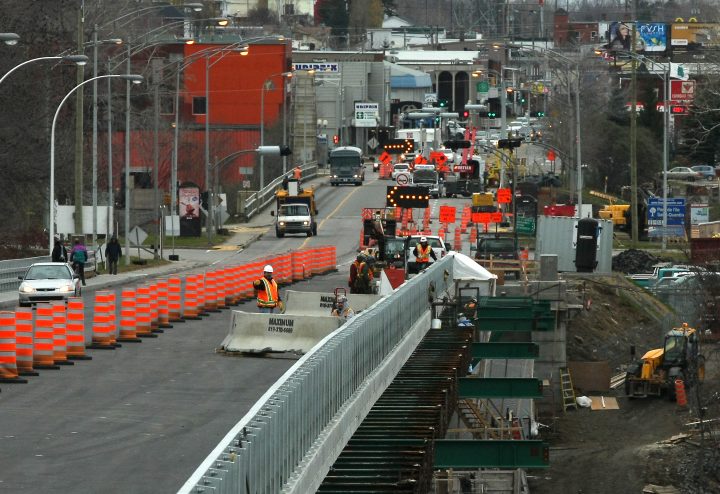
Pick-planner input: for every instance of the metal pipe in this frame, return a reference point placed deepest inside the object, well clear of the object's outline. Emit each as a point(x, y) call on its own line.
point(127, 162)
point(94, 140)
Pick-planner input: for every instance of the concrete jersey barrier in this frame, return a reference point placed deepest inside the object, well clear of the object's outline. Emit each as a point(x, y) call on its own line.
point(263, 333)
point(320, 303)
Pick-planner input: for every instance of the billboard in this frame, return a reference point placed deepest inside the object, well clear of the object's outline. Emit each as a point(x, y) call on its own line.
point(619, 36)
point(653, 35)
point(189, 202)
point(695, 35)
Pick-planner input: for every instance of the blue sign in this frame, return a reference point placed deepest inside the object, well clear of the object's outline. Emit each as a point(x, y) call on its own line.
point(675, 211)
point(653, 35)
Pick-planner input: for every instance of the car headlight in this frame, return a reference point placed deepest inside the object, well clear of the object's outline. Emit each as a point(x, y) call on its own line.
point(356, 176)
point(66, 289)
point(306, 223)
point(335, 176)
point(26, 288)
point(281, 223)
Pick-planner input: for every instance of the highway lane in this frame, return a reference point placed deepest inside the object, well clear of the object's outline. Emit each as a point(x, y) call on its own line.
point(141, 418)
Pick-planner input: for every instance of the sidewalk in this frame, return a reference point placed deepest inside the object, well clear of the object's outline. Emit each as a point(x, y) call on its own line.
point(242, 235)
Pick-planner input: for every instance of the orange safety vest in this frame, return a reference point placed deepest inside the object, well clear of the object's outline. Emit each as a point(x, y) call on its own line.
point(423, 254)
point(297, 173)
point(269, 296)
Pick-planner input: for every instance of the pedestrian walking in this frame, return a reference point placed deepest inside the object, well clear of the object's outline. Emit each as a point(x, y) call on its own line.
point(266, 291)
point(78, 257)
point(59, 252)
point(113, 253)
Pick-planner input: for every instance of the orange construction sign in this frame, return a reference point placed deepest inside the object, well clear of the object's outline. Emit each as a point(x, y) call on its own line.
point(447, 214)
point(385, 158)
point(504, 196)
point(438, 157)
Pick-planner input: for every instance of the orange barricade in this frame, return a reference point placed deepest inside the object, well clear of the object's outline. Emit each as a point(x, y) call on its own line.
point(75, 331)
point(473, 235)
point(101, 322)
point(162, 298)
point(201, 294)
point(680, 393)
point(225, 288)
point(211, 292)
point(24, 341)
point(175, 299)
point(143, 313)
point(191, 298)
point(244, 282)
point(221, 288)
point(313, 261)
point(43, 341)
point(524, 254)
point(127, 316)
point(457, 246)
point(239, 275)
point(298, 265)
point(112, 318)
point(154, 309)
point(8, 358)
point(331, 254)
point(286, 268)
point(59, 334)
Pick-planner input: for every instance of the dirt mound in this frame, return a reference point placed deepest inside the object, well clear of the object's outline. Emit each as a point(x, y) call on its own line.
point(634, 261)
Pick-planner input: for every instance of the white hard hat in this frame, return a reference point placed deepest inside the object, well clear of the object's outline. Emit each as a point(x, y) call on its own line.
point(268, 269)
point(423, 239)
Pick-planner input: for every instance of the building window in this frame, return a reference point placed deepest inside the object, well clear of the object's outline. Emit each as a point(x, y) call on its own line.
point(199, 105)
point(593, 35)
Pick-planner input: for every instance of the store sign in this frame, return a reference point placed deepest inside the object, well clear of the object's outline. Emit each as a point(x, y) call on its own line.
point(317, 67)
point(367, 114)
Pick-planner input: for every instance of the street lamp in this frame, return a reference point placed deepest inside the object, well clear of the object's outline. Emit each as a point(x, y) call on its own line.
point(267, 84)
point(9, 38)
point(76, 59)
point(133, 78)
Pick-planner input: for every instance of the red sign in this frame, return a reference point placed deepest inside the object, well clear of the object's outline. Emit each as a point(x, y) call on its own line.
point(496, 217)
point(385, 158)
point(447, 214)
point(551, 155)
point(480, 218)
point(462, 168)
point(438, 157)
point(682, 90)
point(504, 196)
point(420, 160)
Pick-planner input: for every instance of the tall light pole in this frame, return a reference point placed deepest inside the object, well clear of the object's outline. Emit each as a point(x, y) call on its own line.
point(267, 84)
point(77, 59)
point(9, 38)
point(131, 78)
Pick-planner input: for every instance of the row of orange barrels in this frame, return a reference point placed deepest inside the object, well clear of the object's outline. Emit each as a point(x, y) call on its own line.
point(54, 334)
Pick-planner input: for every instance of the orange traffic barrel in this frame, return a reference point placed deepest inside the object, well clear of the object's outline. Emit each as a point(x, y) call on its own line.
point(163, 303)
point(24, 341)
point(75, 329)
point(680, 393)
point(112, 317)
point(8, 357)
point(101, 339)
point(232, 294)
point(127, 316)
point(60, 333)
point(190, 310)
point(154, 309)
point(297, 259)
point(43, 341)
point(175, 299)
point(143, 313)
point(201, 294)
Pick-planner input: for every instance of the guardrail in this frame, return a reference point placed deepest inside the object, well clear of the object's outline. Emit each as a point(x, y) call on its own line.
point(260, 199)
point(274, 447)
point(11, 269)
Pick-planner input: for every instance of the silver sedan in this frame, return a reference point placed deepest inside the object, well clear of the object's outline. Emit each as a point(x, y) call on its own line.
point(46, 281)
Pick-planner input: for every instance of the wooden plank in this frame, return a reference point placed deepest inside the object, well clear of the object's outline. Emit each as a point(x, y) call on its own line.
point(603, 403)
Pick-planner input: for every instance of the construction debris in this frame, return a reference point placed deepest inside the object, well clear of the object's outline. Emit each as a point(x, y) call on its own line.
point(660, 489)
point(634, 261)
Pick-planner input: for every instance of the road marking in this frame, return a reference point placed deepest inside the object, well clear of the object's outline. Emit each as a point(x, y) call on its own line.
point(304, 244)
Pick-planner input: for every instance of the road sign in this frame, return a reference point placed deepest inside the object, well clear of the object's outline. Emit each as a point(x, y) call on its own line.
point(483, 87)
point(675, 211)
point(483, 218)
point(462, 168)
point(367, 114)
point(682, 90)
point(385, 158)
point(137, 236)
point(430, 98)
point(372, 143)
point(525, 226)
point(402, 179)
point(447, 214)
point(504, 196)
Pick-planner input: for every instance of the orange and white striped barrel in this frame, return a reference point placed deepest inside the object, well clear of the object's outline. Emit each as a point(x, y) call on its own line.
point(473, 235)
point(59, 333)
point(154, 309)
point(297, 260)
point(101, 339)
point(127, 316)
point(175, 299)
point(191, 310)
point(232, 295)
point(457, 245)
point(247, 276)
point(112, 317)
point(208, 293)
point(143, 312)
point(75, 329)
point(221, 287)
point(163, 303)
point(24, 341)
point(44, 336)
point(8, 357)
point(201, 283)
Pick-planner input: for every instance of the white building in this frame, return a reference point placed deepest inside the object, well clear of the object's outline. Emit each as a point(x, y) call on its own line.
point(240, 8)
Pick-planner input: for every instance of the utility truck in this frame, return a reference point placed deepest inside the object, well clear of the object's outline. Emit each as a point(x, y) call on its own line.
point(295, 210)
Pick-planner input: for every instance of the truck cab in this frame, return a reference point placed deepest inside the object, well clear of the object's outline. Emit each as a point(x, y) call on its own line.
point(346, 166)
point(295, 210)
point(427, 176)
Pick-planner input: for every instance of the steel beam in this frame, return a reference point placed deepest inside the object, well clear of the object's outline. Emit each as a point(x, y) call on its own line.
point(499, 387)
point(472, 454)
point(507, 350)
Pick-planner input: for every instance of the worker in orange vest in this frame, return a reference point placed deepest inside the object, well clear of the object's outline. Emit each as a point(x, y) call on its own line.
point(423, 252)
point(297, 173)
point(266, 289)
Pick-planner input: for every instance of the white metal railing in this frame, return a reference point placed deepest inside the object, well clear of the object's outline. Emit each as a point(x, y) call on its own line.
point(269, 447)
point(260, 199)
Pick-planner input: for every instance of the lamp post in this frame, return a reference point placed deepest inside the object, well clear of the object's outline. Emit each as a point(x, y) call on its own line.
point(76, 59)
point(267, 84)
point(131, 78)
point(9, 38)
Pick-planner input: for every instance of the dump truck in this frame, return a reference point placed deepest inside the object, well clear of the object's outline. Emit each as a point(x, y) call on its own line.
point(295, 210)
point(655, 373)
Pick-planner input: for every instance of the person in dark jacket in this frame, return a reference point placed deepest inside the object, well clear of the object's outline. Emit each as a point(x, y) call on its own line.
point(113, 252)
point(59, 252)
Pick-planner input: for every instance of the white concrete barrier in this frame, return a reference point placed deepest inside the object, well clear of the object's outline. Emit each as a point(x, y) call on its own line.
point(320, 304)
point(263, 333)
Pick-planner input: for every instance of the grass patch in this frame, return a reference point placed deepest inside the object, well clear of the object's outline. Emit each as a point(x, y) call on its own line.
point(183, 242)
point(136, 264)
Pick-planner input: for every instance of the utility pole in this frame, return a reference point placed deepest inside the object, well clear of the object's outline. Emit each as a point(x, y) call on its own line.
point(80, 76)
point(95, 139)
point(633, 136)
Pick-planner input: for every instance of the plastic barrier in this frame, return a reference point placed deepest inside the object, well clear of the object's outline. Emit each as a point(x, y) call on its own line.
point(43, 342)
point(128, 312)
point(211, 292)
point(264, 333)
point(191, 309)
point(680, 393)
point(321, 303)
point(473, 235)
point(143, 314)
point(75, 329)
point(24, 341)
point(154, 309)
point(112, 318)
point(202, 294)
point(175, 299)
point(297, 259)
point(59, 335)
point(8, 359)
point(101, 338)
point(162, 298)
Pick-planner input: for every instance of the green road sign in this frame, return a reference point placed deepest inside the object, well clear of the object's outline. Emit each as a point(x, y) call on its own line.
point(483, 87)
point(525, 226)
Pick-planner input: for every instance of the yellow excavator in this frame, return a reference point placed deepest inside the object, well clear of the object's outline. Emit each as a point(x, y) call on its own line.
point(616, 210)
point(679, 358)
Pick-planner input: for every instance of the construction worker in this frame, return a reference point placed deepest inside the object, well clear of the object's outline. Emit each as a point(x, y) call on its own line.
point(361, 276)
point(266, 290)
point(423, 252)
point(378, 234)
point(342, 308)
point(297, 173)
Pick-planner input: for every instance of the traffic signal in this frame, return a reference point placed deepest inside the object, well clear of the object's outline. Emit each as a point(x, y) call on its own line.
point(455, 145)
point(466, 114)
point(492, 114)
point(336, 139)
point(509, 143)
point(407, 197)
point(538, 114)
point(678, 110)
point(443, 103)
point(285, 151)
point(437, 120)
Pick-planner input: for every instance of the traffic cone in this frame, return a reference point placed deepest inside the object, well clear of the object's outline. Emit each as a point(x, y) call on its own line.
point(24, 341)
point(680, 393)
point(8, 358)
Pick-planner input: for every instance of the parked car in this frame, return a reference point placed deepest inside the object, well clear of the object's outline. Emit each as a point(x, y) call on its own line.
point(46, 281)
point(376, 166)
point(707, 171)
point(682, 173)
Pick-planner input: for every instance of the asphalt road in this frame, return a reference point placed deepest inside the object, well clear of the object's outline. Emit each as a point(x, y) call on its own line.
point(141, 418)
